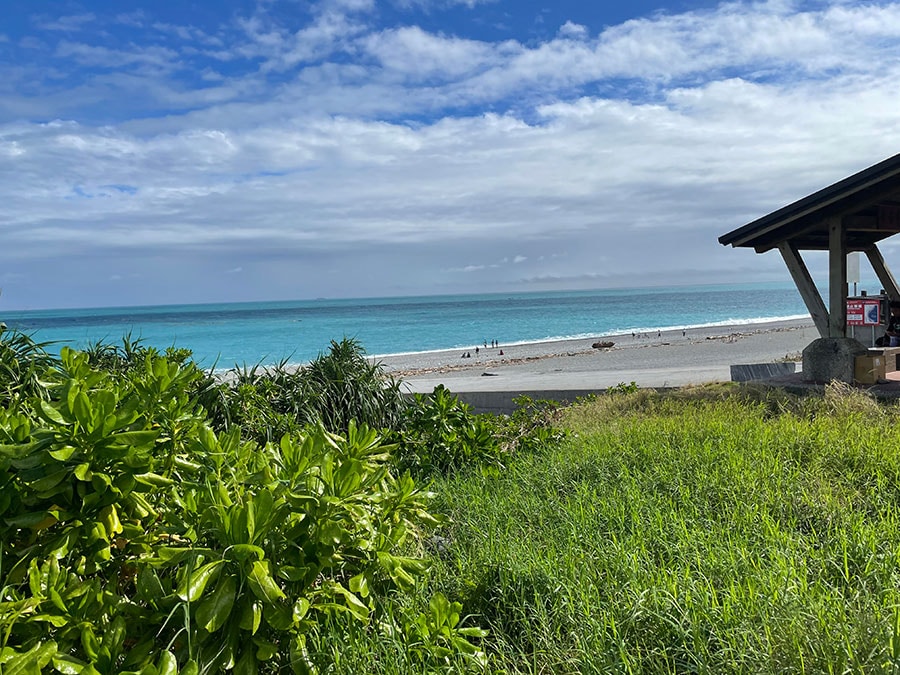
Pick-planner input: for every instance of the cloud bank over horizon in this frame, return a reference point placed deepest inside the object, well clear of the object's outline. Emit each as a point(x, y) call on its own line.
point(344, 148)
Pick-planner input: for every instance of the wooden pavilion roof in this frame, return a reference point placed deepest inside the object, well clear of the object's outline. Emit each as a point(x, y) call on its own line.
point(868, 203)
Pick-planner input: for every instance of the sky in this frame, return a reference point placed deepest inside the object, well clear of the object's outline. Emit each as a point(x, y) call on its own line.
point(182, 151)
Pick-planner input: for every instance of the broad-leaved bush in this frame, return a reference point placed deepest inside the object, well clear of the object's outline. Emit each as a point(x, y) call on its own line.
point(138, 539)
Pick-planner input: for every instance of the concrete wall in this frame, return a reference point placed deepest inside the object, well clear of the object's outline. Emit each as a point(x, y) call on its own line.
point(501, 402)
point(762, 371)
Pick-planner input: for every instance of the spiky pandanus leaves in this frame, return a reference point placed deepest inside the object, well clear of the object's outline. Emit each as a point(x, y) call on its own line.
point(130, 355)
point(335, 388)
point(23, 363)
point(348, 386)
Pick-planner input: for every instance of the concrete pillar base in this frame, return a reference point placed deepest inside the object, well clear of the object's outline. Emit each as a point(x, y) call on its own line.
point(828, 359)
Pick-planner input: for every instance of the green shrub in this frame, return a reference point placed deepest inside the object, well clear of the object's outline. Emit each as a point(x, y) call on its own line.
point(441, 434)
point(136, 539)
point(533, 426)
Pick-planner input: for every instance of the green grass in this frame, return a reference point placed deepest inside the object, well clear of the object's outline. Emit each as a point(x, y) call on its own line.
point(702, 532)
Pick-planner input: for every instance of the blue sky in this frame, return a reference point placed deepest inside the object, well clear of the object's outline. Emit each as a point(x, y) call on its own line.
point(166, 152)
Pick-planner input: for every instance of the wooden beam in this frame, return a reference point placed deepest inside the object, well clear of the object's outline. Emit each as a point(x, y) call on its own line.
point(888, 283)
point(818, 206)
point(805, 286)
point(837, 278)
point(867, 223)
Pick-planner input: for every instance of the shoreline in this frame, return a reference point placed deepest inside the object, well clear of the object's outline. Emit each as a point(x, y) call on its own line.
point(718, 326)
point(651, 359)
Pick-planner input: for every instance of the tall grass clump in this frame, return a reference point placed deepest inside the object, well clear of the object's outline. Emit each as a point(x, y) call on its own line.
point(725, 530)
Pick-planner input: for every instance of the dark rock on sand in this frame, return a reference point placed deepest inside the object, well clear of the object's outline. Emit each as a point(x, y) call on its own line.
point(606, 344)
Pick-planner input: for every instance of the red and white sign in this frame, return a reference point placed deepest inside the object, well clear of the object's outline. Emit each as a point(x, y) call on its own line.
point(863, 312)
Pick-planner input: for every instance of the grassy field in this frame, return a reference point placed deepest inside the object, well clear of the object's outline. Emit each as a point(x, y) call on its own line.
point(697, 532)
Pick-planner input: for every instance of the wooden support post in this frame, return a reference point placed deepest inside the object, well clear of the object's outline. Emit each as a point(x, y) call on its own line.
point(888, 283)
point(805, 285)
point(837, 278)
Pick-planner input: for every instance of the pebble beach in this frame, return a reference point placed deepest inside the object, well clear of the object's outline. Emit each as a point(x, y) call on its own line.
point(664, 359)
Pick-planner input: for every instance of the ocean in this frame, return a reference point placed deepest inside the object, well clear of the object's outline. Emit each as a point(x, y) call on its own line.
point(225, 335)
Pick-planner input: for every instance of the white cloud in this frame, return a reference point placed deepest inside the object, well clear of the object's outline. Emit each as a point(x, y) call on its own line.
point(90, 55)
point(420, 55)
point(182, 32)
point(283, 49)
point(439, 4)
point(327, 140)
point(348, 5)
point(765, 38)
point(135, 19)
point(573, 30)
point(30, 42)
point(70, 24)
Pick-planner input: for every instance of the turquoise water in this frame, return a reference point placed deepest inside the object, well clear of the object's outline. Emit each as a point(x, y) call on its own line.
point(269, 332)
